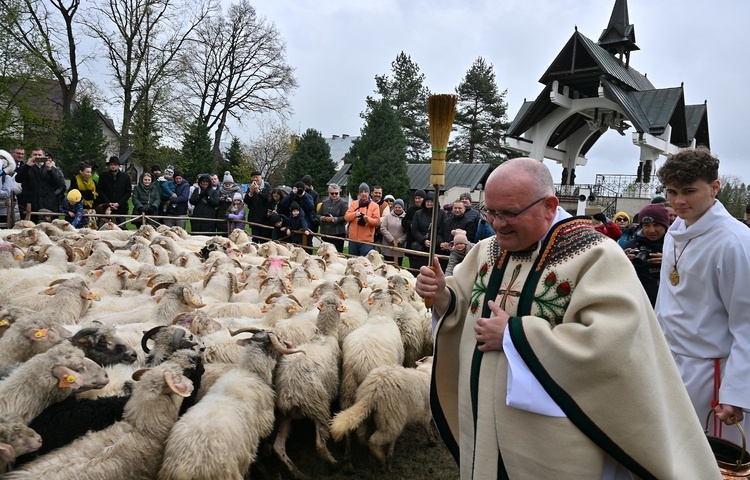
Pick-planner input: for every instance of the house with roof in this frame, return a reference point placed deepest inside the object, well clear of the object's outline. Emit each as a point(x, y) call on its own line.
point(459, 178)
point(340, 146)
point(591, 88)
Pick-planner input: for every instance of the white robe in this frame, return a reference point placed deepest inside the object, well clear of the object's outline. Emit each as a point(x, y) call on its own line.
point(707, 314)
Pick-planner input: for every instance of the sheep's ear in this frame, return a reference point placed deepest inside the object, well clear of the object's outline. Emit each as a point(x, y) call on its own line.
point(242, 342)
point(48, 291)
point(67, 377)
point(6, 453)
point(37, 334)
point(139, 373)
point(179, 386)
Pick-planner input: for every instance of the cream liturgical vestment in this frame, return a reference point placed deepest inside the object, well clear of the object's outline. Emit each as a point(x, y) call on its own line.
point(706, 315)
point(582, 324)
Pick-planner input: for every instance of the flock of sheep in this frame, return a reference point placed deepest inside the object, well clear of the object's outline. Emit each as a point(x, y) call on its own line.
point(156, 354)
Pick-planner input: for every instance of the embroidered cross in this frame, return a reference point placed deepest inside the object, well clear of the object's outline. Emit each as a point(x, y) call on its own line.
point(509, 288)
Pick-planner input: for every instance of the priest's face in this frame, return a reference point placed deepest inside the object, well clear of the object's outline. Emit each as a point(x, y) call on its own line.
point(691, 201)
point(518, 215)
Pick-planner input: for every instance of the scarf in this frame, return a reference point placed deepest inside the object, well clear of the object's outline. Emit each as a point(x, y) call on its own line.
point(363, 203)
point(229, 192)
point(87, 187)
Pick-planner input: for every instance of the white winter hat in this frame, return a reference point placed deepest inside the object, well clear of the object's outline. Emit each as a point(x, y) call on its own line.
point(227, 178)
point(8, 162)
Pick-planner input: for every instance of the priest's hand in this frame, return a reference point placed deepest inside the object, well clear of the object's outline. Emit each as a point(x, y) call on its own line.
point(490, 330)
point(726, 412)
point(431, 284)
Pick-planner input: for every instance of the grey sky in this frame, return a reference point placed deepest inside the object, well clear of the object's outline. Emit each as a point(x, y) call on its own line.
point(338, 46)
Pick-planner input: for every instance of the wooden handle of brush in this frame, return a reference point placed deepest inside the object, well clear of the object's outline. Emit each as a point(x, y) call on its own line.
point(428, 300)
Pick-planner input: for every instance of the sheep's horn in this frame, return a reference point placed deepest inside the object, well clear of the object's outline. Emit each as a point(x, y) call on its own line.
point(281, 348)
point(57, 282)
point(147, 336)
point(84, 332)
point(207, 277)
point(160, 286)
point(322, 263)
point(253, 330)
point(295, 299)
point(270, 298)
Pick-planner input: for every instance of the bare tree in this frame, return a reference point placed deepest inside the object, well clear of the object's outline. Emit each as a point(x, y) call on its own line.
point(270, 149)
point(142, 39)
point(45, 29)
point(237, 66)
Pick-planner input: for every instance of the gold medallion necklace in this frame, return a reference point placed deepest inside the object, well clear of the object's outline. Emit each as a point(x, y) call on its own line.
point(674, 277)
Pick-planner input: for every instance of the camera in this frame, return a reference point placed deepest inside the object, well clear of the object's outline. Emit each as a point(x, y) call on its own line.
point(641, 255)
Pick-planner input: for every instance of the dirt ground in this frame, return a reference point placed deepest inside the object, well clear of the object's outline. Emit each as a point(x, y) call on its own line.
point(413, 458)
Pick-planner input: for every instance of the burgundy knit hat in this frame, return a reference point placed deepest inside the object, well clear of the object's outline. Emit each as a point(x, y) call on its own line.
point(656, 213)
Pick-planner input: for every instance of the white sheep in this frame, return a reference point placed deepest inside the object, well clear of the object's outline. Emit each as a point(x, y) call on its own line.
point(17, 438)
point(219, 436)
point(129, 449)
point(306, 385)
point(48, 378)
point(29, 336)
point(394, 397)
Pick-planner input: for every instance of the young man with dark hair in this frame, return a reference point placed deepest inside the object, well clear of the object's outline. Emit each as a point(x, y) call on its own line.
point(703, 305)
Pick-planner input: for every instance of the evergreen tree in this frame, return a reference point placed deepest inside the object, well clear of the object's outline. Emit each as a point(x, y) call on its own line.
point(81, 139)
point(145, 134)
point(312, 156)
point(407, 95)
point(239, 165)
point(197, 156)
point(378, 157)
point(734, 195)
point(480, 118)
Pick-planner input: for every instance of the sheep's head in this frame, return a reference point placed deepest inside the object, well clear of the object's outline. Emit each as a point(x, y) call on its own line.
point(72, 370)
point(15, 434)
point(196, 322)
point(167, 340)
point(268, 339)
point(101, 345)
point(74, 284)
point(165, 379)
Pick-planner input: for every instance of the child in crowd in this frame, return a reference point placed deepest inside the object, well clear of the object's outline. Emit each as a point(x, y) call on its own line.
point(72, 208)
point(278, 221)
point(296, 224)
point(236, 212)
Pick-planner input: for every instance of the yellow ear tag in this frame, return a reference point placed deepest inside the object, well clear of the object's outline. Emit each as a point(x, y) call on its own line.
point(66, 381)
point(4, 323)
point(41, 333)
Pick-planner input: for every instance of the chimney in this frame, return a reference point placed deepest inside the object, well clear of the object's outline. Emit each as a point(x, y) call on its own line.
point(344, 136)
point(334, 137)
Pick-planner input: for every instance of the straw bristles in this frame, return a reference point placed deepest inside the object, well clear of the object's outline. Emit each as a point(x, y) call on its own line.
point(441, 110)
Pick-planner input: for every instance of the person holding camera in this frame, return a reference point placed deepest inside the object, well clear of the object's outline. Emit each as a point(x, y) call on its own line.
point(227, 189)
point(331, 217)
point(204, 199)
point(40, 183)
point(363, 216)
point(146, 199)
point(306, 204)
point(645, 249)
point(258, 199)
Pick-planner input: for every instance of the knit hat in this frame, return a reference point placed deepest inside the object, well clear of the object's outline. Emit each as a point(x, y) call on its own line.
point(155, 167)
point(7, 163)
point(654, 213)
point(299, 186)
point(389, 197)
point(399, 202)
point(448, 207)
point(429, 195)
point(169, 171)
point(274, 218)
point(420, 193)
point(227, 178)
point(178, 173)
point(464, 195)
point(460, 238)
point(237, 196)
point(363, 188)
point(622, 214)
point(294, 206)
point(74, 196)
point(307, 180)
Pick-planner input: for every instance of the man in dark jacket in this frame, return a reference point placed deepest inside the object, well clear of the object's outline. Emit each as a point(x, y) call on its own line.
point(645, 250)
point(421, 226)
point(41, 181)
point(256, 198)
point(305, 202)
point(115, 189)
point(456, 221)
point(419, 197)
point(204, 199)
point(178, 202)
